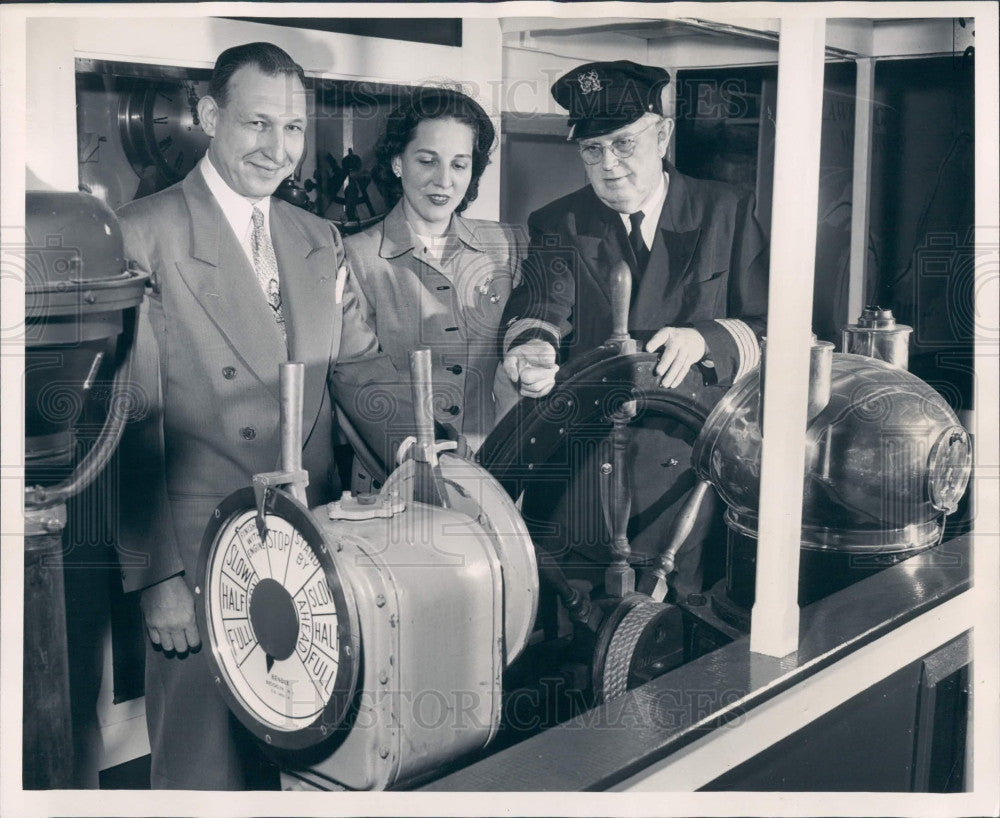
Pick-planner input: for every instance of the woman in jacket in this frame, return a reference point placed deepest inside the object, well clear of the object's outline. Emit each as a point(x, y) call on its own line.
point(428, 276)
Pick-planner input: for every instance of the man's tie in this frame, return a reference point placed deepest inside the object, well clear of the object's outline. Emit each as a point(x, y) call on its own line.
point(638, 244)
point(265, 264)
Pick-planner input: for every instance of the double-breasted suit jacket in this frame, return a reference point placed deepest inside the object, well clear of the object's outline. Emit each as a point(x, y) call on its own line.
point(452, 305)
point(707, 269)
point(206, 416)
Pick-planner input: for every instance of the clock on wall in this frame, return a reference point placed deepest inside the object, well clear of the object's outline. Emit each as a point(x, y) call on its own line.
point(138, 132)
point(160, 128)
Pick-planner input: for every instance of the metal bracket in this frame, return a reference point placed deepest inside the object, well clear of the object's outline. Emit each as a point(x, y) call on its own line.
point(264, 482)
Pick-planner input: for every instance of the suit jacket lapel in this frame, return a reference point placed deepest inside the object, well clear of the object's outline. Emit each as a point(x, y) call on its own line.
point(223, 281)
point(308, 274)
point(678, 233)
point(603, 242)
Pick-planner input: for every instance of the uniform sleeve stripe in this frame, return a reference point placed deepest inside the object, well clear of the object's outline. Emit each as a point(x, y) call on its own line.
point(746, 344)
point(522, 325)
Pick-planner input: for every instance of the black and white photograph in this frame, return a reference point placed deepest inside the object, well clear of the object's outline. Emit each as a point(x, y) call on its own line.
point(518, 408)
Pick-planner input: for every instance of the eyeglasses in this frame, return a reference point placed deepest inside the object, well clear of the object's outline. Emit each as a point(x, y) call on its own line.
point(622, 147)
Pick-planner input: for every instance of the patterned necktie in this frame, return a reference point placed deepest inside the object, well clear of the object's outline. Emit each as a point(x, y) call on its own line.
point(266, 266)
point(638, 243)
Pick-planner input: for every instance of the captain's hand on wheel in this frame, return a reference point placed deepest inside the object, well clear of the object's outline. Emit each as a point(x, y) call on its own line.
point(532, 365)
point(168, 609)
point(683, 347)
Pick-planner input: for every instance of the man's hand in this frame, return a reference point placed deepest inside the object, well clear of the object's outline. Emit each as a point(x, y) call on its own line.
point(168, 609)
point(683, 347)
point(533, 366)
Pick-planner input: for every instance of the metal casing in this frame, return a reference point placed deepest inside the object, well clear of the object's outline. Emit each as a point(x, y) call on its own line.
point(429, 592)
point(877, 335)
point(885, 460)
point(471, 490)
point(77, 281)
point(77, 287)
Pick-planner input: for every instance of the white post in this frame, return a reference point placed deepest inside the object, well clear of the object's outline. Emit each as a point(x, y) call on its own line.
point(774, 627)
point(864, 107)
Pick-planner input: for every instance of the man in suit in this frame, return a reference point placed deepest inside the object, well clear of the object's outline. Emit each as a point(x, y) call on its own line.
point(240, 283)
point(696, 253)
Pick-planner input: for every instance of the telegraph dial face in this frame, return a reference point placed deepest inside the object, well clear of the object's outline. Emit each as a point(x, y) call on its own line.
point(281, 626)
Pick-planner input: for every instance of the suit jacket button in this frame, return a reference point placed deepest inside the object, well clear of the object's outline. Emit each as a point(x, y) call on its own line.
point(248, 432)
point(229, 372)
point(453, 410)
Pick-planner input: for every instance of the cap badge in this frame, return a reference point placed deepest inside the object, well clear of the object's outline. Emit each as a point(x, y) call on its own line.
point(589, 82)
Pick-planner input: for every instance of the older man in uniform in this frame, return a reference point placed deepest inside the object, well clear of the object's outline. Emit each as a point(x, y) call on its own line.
point(697, 256)
point(241, 282)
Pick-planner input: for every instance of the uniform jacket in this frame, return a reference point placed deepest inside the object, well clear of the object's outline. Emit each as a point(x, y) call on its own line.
point(708, 261)
point(453, 306)
point(206, 374)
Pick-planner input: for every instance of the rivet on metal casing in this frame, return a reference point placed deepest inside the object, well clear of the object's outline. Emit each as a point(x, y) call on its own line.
point(218, 680)
point(533, 441)
point(197, 589)
point(606, 468)
point(380, 600)
point(267, 737)
point(383, 677)
point(323, 730)
point(383, 752)
point(217, 514)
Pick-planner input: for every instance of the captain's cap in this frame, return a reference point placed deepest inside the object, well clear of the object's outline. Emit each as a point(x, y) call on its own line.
point(602, 97)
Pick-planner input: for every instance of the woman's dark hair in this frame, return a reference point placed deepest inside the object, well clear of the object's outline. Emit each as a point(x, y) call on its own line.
point(267, 57)
point(431, 103)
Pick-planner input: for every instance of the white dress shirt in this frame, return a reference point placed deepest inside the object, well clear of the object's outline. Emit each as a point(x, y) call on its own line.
point(237, 209)
point(651, 209)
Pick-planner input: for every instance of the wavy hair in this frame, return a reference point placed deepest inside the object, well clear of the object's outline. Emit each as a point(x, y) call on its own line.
point(431, 103)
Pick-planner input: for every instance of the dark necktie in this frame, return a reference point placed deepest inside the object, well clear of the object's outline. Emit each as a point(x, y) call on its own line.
point(638, 244)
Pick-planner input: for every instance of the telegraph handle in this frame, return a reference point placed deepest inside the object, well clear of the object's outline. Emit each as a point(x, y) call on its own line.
point(427, 483)
point(423, 403)
point(291, 477)
point(291, 380)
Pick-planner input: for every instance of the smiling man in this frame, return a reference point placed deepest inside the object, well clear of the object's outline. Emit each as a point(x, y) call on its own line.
point(240, 283)
point(699, 266)
point(696, 252)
